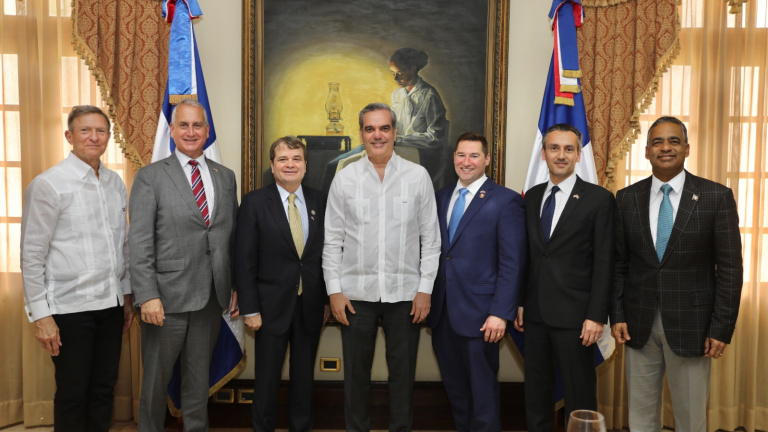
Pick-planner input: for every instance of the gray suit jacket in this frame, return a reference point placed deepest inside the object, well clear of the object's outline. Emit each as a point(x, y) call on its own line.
point(174, 255)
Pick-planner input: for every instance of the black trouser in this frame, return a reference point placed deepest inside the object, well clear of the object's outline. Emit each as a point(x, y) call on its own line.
point(86, 369)
point(359, 341)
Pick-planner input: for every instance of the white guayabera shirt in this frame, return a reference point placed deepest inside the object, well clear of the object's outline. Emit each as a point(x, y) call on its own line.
point(74, 248)
point(382, 239)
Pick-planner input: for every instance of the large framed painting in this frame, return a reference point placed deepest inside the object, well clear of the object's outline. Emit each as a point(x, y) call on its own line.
point(310, 66)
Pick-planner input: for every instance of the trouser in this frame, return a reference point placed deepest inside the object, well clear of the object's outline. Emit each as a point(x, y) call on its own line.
point(358, 344)
point(86, 369)
point(688, 379)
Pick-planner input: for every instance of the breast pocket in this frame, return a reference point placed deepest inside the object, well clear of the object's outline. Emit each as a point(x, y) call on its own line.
point(359, 209)
point(402, 208)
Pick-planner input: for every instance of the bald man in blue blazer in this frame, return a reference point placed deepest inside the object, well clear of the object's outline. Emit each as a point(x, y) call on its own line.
point(484, 248)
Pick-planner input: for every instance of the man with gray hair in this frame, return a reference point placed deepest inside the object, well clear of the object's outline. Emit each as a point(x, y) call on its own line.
point(183, 211)
point(380, 259)
point(74, 263)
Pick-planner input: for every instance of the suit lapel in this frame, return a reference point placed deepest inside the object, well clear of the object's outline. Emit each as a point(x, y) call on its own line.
point(442, 216)
point(642, 203)
point(312, 218)
point(689, 199)
point(218, 187)
point(483, 195)
point(536, 196)
point(276, 209)
point(181, 182)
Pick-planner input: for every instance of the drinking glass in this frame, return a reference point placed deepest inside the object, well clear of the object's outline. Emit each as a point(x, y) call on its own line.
point(586, 421)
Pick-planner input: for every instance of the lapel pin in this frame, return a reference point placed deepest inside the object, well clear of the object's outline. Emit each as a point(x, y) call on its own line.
point(695, 197)
point(576, 196)
point(214, 168)
point(313, 212)
point(482, 194)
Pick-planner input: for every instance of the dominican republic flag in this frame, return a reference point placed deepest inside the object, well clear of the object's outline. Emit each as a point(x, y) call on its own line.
point(185, 80)
point(564, 103)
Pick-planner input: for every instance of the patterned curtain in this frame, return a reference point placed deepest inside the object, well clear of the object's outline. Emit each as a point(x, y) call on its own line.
point(624, 47)
point(125, 44)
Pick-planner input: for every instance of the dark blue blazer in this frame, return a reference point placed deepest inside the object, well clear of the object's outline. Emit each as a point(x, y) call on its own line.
point(481, 272)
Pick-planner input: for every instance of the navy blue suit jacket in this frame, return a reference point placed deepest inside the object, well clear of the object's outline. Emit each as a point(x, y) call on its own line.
point(481, 272)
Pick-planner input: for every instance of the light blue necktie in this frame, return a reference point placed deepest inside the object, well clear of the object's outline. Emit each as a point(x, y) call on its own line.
point(664, 228)
point(458, 211)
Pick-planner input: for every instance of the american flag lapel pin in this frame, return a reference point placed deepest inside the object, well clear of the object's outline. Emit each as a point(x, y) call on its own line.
point(215, 169)
point(482, 194)
point(695, 197)
point(576, 196)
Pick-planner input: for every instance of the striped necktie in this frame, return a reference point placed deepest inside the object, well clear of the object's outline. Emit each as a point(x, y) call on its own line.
point(198, 189)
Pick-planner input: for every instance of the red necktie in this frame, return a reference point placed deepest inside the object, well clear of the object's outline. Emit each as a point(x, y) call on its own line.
point(199, 190)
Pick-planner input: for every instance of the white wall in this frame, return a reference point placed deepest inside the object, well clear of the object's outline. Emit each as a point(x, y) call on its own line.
point(530, 49)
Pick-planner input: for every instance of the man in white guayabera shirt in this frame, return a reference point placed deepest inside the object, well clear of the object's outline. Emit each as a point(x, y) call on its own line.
point(74, 263)
point(380, 259)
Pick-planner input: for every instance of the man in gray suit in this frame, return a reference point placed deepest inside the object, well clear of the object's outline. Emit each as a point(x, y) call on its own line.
point(182, 218)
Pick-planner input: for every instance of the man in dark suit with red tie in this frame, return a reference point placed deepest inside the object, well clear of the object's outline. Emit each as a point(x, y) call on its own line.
point(678, 281)
point(566, 299)
point(475, 293)
point(279, 281)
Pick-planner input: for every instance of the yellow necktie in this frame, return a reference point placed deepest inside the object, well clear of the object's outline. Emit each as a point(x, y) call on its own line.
point(297, 232)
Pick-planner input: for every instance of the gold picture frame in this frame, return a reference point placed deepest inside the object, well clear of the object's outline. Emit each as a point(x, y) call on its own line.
point(495, 79)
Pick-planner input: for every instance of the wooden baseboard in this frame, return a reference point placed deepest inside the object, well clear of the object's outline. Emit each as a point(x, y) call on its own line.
point(431, 411)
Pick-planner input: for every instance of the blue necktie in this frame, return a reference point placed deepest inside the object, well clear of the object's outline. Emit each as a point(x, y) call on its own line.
point(664, 228)
point(548, 212)
point(458, 211)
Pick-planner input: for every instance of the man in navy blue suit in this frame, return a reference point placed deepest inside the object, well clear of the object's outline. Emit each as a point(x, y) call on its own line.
point(482, 226)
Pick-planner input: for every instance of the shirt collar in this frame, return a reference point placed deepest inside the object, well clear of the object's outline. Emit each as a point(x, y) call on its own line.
point(81, 168)
point(184, 159)
point(473, 187)
point(417, 86)
point(284, 194)
point(392, 164)
point(566, 186)
point(677, 183)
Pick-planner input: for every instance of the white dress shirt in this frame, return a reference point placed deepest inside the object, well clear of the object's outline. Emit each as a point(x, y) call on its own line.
point(657, 195)
point(472, 190)
point(74, 248)
point(205, 174)
point(382, 239)
point(566, 187)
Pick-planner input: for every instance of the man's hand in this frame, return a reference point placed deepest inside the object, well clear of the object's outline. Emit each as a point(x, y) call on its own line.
point(494, 328)
point(713, 348)
point(518, 323)
point(47, 332)
point(234, 308)
point(339, 304)
point(128, 312)
point(326, 313)
point(253, 322)
point(620, 333)
point(420, 309)
point(152, 312)
point(590, 332)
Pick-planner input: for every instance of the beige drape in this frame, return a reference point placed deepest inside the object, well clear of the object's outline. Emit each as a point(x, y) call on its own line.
point(42, 78)
point(718, 86)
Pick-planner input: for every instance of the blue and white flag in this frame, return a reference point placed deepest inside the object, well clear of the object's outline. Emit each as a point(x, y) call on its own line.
point(185, 79)
point(553, 111)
